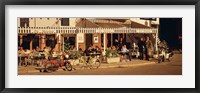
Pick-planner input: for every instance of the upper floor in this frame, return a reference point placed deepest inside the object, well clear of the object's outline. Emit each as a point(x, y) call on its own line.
point(81, 22)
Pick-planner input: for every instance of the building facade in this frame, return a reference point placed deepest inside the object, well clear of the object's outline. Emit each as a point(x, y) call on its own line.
point(80, 33)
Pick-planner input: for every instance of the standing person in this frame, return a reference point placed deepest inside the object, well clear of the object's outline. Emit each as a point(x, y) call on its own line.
point(116, 43)
point(149, 48)
point(141, 46)
point(121, 43)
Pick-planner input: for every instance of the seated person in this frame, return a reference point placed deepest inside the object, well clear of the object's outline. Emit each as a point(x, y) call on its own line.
point(125, 51)
point(87, 51)
point(98, 50)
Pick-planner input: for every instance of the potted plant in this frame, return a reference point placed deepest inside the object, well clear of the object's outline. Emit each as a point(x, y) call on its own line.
point(73, 56)
point(112, 56)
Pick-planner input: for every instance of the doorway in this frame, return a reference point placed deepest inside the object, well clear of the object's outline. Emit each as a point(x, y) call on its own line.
point(88, 40)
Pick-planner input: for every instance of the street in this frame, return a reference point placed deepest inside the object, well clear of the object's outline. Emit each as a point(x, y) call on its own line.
point(141, 68)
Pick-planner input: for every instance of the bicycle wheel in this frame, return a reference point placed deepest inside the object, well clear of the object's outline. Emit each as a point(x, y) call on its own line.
point(68, 66)
point(95, 63)
point(48, 67)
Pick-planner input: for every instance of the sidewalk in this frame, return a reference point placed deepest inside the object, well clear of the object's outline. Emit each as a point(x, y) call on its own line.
point(132, 63)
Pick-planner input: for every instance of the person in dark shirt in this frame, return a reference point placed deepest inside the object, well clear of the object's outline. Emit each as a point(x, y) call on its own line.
point(87, 51)
point(116, 43)
point(141, 46)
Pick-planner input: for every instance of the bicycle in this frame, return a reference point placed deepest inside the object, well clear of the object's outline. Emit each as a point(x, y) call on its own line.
point(90, 62)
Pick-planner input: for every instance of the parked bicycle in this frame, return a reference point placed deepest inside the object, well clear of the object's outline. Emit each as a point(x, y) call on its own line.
point(54, 63)
point(88, 62)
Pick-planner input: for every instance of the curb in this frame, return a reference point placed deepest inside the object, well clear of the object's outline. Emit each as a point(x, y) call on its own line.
point(128, 65)
point(113, 66)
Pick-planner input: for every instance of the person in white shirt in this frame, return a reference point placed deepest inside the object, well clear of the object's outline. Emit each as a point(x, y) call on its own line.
point(125, 51)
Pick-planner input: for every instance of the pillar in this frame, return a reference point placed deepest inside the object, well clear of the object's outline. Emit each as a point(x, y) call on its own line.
point(21, 40)
point(156, 40)
point(76, 41)
point(104, 42)
point(31, 44)
point(43, 41)
point(63, 43)
point(111, 39)
point(59, 42)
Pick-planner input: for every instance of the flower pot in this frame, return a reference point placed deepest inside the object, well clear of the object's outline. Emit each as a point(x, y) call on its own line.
point(113, 60)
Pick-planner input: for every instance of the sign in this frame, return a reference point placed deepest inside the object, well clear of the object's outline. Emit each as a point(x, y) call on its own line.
point(96, 39)
point(80, 38)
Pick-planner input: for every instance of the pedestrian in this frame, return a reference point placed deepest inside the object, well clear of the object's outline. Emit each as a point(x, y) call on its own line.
point(116, 43)
point(141, 46)
point(121, 43)
point(149, 48)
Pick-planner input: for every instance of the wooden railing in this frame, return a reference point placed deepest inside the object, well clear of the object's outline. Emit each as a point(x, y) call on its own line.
point(74, 30)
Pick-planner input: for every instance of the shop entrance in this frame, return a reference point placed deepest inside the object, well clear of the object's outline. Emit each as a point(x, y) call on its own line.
point(26, 42)
point(51, 41)
point(35, 42)
point(88, 40)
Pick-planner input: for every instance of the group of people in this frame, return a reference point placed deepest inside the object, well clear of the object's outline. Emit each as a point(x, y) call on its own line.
point(91, 49)
point(145, 48)
point(120, 46)
point(119, 43)
point(25, 55)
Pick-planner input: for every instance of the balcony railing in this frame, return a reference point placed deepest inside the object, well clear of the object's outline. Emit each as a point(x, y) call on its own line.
point(74, 30)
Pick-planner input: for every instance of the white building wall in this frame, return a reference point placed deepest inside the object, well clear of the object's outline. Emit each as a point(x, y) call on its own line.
point(48, 22)
point(138, 20)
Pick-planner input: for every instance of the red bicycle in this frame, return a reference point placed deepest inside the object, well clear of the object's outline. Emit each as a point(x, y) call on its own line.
point(55, 63)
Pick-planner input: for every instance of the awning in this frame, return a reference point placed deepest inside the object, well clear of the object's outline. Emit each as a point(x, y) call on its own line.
point(109, 25)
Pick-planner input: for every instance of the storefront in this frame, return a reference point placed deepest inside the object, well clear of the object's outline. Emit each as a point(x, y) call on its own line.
point(78, 37)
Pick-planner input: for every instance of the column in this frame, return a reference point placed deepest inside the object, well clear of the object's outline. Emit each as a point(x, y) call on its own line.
point(31, 44)
point(104, 42)
point(21, 40)
point(43, 41)
point(63, 43)
point(77, 42)
point(111, 39)
point(106, 38)
point(59, 42)
point(156, 40)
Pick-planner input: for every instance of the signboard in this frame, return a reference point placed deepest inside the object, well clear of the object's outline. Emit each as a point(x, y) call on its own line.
point(96, 39)
point(80, 38)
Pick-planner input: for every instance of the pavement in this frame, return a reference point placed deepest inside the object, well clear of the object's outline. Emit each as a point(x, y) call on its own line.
point(132, 63)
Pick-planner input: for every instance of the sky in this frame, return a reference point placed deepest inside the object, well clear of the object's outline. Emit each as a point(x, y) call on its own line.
point(170, 30)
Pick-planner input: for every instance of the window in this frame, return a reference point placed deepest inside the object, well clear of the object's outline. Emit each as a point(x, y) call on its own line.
point(153, 19)
point(65, 22)
point(24, 21)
